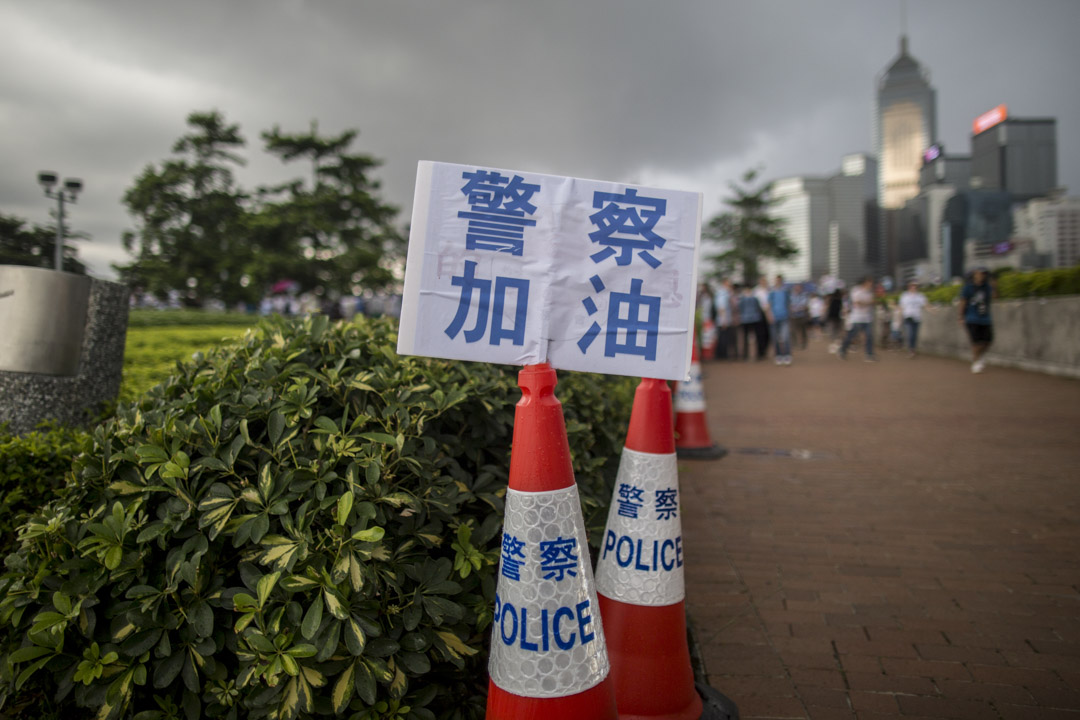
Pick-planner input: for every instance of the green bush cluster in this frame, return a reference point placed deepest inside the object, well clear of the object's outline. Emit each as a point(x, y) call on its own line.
point(33, 468)
point(298, 524)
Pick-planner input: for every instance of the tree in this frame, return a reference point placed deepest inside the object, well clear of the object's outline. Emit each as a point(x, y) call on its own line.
point(199, 232)
point(35, 246)
point(337, 224)
point(191, 217)
point(749, 229)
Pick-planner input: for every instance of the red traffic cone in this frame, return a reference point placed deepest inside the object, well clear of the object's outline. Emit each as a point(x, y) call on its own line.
point(693, 439)
point(548, 654)
point(639, 577)
point(709, 337)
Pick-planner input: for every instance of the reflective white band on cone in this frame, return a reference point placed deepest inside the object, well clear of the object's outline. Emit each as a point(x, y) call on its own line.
point(546, 640)
point(690, 395)
point(641, 556)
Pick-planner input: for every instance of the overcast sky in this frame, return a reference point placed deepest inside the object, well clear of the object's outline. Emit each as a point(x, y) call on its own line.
point(683, 94)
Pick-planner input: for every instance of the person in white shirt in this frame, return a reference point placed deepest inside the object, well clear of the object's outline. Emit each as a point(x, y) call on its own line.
point(912, 303)
point(861, 319)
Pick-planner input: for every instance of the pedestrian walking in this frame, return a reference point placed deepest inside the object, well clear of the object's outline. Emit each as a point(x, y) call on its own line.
point(751, 320)
point(726, 342)
point(818, 306)
point(800, 316)
point(861, 319)
point(975, 314)
point(834, 317)
point(912, 303)
point(761, 292)
point(780, 314)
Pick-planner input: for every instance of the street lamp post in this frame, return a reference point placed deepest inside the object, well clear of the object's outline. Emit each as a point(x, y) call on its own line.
point(67, 193)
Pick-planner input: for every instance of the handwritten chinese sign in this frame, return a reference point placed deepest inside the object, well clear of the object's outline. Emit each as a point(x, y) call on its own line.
point(522, 268)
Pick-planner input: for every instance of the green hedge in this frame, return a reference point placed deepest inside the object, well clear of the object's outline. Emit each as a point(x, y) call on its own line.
point(163, 318)
point(298, 524)
point(33, 469)
point(1018, 285)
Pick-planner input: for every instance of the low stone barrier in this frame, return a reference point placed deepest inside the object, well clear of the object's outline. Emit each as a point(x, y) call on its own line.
point(72, 395)
point(1039, 334)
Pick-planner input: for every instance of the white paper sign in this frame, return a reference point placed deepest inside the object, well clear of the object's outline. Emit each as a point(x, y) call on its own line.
point(522, 268)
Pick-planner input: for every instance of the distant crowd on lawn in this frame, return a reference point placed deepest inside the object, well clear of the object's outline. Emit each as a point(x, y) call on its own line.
point(285, 303)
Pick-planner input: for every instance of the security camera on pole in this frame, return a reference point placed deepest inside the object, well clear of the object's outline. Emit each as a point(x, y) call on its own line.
point(67, 193)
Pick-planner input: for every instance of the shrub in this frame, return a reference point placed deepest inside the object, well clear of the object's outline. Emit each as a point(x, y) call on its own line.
point(299, 524)
point(33, 468)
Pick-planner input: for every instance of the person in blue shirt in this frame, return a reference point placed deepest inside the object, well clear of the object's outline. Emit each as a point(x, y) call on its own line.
point(975, 314)
point(750, 319)
point(780, 311)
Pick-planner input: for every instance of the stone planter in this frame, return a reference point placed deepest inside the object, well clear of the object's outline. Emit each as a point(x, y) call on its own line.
point(61, 346)
point(43, 316)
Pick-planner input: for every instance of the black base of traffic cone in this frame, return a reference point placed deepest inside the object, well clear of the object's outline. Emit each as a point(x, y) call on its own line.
point(717, 706)
point(708, 452)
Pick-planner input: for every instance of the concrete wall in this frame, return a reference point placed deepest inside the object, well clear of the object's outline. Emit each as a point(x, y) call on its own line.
point(28, 398)
point(1038, 334)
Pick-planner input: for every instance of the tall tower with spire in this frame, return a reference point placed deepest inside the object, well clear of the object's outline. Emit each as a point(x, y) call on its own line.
point(905, 126)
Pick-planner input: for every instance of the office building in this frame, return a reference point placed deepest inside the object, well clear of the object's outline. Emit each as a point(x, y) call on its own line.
point(1051, 228)
point(940, 168)
point(830, 221)
point(1014, 155)
point(905, 126)
point(853, 218)
point(802, 206)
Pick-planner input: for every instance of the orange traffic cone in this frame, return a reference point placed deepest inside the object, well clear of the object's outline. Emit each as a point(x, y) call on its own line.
point(548, 654)
point(692, 432)
point(639, 577)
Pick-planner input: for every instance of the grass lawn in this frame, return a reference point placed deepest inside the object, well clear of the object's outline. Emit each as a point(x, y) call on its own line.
point(151, 353)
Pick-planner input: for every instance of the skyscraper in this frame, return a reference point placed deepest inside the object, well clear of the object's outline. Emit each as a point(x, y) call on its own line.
point(905, 126)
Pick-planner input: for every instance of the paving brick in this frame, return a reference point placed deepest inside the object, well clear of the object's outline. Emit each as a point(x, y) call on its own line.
point(925, 668)
point(876, 702)
point(817, 712)
point(823, 697)
point(758, 706)
point(1027, 712)
point(952, 653)
point(1062, 697)
point(877, 649)
point(962, 690)
point(1024, 677)
point(813, 677)
point(945, 708)
point(890, 683)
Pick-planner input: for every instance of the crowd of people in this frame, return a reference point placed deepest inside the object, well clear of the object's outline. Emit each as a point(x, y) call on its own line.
point(745, 321)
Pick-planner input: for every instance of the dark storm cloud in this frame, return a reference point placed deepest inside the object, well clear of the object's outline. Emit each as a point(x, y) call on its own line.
point(687, 94)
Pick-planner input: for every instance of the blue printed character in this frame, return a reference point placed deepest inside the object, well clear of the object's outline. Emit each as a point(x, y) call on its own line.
point(667, 504)
point(470, 285)
point(558, 558)
point(633, 323)
point(500, 210)
point(625, 223)
point(513, 557)
point(630, 499)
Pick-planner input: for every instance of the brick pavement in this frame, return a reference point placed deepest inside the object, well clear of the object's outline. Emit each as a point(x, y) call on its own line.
point(916, 556)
